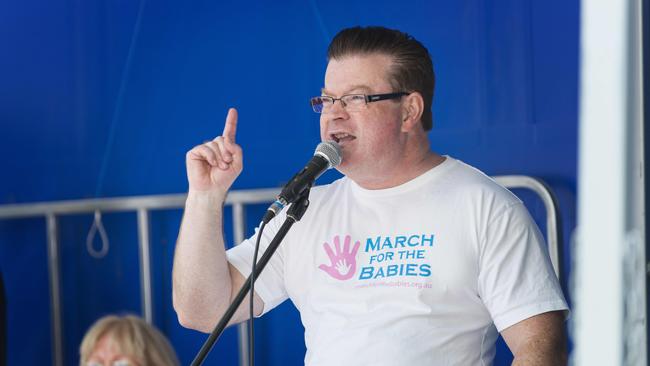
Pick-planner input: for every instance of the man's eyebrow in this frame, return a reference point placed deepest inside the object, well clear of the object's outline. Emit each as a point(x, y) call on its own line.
point(361, 87)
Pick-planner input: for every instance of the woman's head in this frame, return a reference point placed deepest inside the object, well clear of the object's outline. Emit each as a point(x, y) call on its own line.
point(125, 340)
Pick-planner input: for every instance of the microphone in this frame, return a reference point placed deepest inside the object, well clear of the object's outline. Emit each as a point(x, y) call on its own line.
point(326, 156)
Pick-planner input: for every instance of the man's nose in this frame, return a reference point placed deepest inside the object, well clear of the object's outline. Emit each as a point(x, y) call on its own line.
point(337, 110)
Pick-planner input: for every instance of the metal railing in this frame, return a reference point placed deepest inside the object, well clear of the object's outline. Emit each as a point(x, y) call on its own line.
point(236, 199)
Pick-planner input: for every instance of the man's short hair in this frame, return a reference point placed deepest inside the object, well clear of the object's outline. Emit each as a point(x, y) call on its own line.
point(412, 69)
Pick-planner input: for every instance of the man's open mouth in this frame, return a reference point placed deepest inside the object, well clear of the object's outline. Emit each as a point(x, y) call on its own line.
point(342, 137)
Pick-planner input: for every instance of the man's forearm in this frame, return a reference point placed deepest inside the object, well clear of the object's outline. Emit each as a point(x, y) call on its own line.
point(201, 280)
point(538, 340)
point(542, 352)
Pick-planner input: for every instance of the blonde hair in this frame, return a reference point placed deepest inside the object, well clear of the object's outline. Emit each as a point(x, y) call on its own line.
point(134, 338)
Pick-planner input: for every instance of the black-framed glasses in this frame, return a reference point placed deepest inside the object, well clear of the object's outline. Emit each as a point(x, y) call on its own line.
point(351, 102)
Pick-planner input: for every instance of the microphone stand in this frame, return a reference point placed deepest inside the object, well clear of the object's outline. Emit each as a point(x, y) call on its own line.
point(294, 214)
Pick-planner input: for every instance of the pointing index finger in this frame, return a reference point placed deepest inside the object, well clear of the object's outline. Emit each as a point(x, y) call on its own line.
point(230, 129)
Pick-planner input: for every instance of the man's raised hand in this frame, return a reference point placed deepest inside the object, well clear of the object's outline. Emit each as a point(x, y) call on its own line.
point(214, 165)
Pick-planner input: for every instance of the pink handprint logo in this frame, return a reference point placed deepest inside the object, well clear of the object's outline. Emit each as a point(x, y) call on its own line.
point(343, 263)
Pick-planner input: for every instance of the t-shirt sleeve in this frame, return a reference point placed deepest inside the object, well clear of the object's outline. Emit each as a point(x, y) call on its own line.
point(269, 286)
point(516, 278)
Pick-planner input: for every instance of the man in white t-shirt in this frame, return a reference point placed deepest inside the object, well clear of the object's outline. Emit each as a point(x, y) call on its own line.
point(411, 259)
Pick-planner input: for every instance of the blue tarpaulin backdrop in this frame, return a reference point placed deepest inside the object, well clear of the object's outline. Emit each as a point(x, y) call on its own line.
point(103, 98)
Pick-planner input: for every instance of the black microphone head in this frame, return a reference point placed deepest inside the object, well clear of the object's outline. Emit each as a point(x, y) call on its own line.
point(331, 151)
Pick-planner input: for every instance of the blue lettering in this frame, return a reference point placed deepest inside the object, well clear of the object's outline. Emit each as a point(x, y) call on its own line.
point(428, 239)
point(372, 246)
point(387, 243)
point(366, 273)
point(413, 244)
point(380, 273)
point(399, 241)
point(391, 270)
point(410, 269)
point(425, 270)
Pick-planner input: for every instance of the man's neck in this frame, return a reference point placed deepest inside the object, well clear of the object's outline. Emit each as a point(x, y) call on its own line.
point(403, 172)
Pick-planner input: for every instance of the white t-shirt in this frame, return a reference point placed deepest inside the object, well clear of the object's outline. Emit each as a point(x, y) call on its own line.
point(424, 273)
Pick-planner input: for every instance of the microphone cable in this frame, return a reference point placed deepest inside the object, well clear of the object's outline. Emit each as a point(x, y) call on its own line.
point(251, 330)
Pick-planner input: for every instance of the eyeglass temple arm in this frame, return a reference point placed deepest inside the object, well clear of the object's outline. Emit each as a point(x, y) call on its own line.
point(378, 97)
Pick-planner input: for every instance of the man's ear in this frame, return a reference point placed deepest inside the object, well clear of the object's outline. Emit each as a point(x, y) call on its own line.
point(412, 109)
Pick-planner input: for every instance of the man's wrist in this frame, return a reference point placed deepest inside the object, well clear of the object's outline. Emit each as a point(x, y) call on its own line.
point(206, 199)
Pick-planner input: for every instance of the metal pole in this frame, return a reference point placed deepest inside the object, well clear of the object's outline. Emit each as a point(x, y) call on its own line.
point(239, 228)
point(145, 264)
point(603, 178)
point(55, 289)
